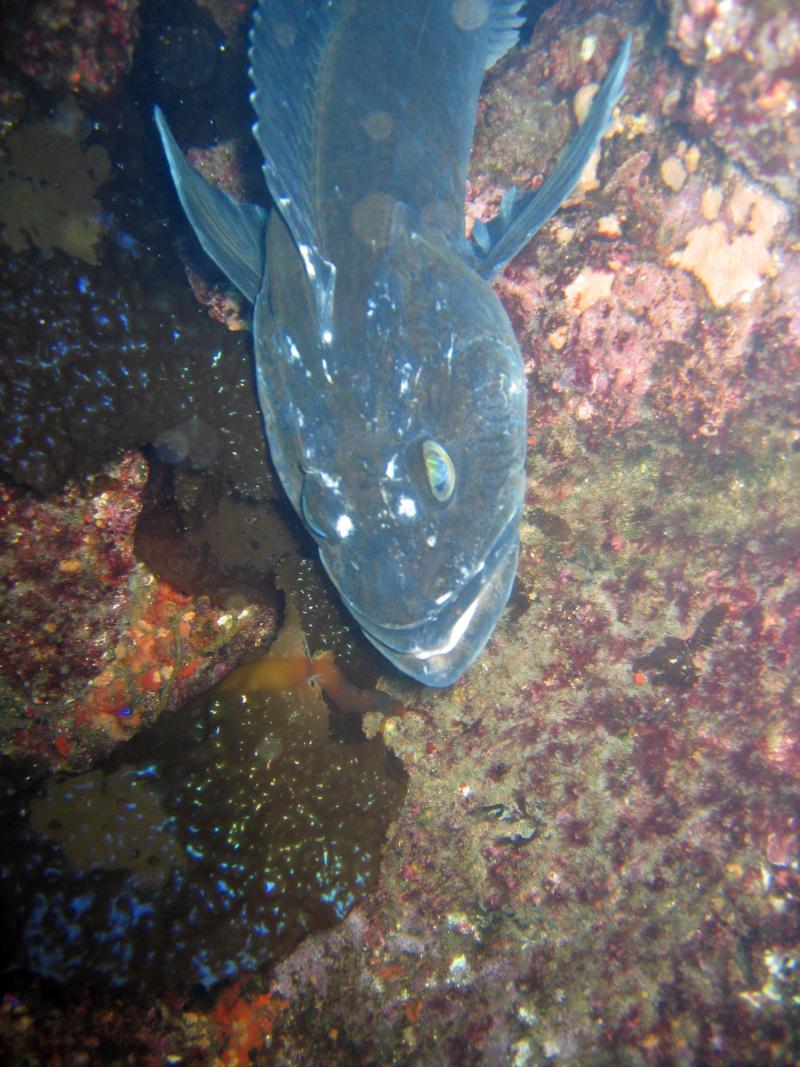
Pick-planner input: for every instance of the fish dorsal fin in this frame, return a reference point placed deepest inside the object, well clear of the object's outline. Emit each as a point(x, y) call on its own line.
point(504, 25)
point(287, 45)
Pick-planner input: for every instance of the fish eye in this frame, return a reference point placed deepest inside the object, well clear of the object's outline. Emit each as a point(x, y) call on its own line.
point(439, 470)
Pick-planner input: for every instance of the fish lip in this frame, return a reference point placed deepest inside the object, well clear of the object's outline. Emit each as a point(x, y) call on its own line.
point(439, 648)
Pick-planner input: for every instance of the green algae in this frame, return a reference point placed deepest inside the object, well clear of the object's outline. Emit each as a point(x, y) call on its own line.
point(109, 821)
point(48, 181)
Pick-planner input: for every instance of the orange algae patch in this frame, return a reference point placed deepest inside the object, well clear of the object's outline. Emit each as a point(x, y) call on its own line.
point(733, 258)
point(106, 696)
point(190, 668)
point(63, 746)
point(278, 674)
point(164, 644)
point(413, 1010)
point(153, 679)
point(243, 1023)
point(286, 668)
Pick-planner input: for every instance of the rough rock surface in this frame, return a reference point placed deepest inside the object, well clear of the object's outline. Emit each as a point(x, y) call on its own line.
point(92, 643)
point(598, 857)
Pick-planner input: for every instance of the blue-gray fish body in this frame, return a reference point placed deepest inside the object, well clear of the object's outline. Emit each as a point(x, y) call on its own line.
point(389, 376)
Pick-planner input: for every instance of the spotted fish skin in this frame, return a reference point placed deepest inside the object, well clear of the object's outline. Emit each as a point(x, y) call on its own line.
point(389, 377)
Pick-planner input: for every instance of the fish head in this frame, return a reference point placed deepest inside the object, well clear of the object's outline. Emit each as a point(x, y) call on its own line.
point(417, 511)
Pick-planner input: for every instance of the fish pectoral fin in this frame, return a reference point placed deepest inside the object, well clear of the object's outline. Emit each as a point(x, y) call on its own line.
point(520, 217)
point(231, 233)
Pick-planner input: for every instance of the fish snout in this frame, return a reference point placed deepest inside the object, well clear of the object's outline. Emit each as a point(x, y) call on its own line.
point(445, 637)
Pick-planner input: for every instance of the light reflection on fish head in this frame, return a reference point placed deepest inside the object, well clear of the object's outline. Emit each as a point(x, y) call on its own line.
point(416, 509)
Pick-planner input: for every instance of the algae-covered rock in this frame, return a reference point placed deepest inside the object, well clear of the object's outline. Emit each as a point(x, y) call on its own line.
point(210, 844)
point(48, 179)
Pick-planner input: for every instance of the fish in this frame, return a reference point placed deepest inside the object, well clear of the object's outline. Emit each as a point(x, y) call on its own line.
point(389, 377)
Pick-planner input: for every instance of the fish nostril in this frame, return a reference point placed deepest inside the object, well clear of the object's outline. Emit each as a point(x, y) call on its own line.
point(322, 508)
point(312, 520)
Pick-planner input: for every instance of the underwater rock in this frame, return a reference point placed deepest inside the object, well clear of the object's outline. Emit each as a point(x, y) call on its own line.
point(744, 94)
point(72, 44)
point(589, 867)
point(210, 844)
point(592, 866)
point(651, 299)
point(92, 643)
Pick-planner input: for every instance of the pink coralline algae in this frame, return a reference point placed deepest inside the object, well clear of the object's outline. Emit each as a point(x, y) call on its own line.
point(76, 44)
point(598, 857)
point(663, 284)
point(92, 643)
point(744, 93)
point(610, 349)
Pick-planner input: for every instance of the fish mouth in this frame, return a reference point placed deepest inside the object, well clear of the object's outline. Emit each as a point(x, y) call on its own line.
point(437, 650)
